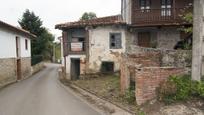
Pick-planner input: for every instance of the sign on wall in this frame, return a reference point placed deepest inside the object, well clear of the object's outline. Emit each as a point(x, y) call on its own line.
point(77, 46)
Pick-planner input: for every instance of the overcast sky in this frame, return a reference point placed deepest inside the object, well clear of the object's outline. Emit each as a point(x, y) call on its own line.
point(53, 12)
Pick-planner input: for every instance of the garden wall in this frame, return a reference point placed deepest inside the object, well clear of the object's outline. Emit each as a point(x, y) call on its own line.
point(148, 79)
point(149, 67)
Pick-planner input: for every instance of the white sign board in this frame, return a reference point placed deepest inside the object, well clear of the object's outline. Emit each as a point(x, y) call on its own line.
point(76, 46)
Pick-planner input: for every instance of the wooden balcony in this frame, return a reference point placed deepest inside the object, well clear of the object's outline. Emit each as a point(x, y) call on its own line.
point(159, 17)
point(76, 48)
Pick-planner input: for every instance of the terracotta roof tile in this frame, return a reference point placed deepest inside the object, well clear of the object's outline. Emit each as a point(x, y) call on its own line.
point(110, 20)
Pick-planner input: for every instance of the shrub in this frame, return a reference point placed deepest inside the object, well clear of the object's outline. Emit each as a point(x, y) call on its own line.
point(180, 88)
point(36, 59)
point(130, 96)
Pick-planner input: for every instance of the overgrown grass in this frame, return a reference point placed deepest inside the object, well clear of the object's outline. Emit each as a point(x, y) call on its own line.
point(108, 87)
point(181, 88)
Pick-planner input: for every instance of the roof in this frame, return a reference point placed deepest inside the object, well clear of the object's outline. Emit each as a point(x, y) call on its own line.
point(110, 20)
point(16, 29)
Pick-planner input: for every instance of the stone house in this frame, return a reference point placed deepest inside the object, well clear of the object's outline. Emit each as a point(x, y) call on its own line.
point(15, 55)
point(155, 23)
point(93, 46)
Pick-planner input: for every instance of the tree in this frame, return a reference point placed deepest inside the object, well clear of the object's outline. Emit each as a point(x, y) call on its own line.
point(88, 16)
point(42, 45)
point(188, 17)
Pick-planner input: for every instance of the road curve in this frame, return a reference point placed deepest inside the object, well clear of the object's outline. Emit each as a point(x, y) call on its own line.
point(41, 94)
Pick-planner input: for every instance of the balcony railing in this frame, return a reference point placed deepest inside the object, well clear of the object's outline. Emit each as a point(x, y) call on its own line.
point(158, 16)
point(75, 47)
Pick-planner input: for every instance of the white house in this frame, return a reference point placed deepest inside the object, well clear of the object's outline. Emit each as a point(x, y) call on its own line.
point(15, 54)
point(93, 46)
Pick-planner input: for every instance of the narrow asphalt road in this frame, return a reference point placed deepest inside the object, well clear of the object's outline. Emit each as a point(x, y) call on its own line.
point(42, 94)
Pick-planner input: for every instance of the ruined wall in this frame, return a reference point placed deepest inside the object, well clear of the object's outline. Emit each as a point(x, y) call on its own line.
point(149, 79)
point(172, 58)
point(99, 47)
point(150, 67)
point(7, 71)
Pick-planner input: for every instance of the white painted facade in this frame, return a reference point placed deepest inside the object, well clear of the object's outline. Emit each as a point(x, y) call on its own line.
point(8, 44)
point(68, 63)
point(99, 47)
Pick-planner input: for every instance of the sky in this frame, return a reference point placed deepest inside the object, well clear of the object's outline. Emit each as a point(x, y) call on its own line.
point(53, 12)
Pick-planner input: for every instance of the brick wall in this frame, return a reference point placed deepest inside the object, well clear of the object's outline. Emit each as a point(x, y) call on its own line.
point(124, 74)
point(149, 79)
point(7, 71)
point(149, 67)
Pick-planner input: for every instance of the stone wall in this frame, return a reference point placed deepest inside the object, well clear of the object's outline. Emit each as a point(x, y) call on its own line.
point(36, 68)
point(25, 67)
point(7, 71)
point(167, 38)
point(149, 79)
point(172, 58)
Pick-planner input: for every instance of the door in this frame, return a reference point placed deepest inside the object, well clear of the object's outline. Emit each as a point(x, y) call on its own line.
point(75, 68)
point(144, 39)
point(17, 47)
point(18, 69)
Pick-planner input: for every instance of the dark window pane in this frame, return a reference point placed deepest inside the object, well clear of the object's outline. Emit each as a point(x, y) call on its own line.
point(115, 40)
point(148, 3)
point(142, 3)
point(168, 2)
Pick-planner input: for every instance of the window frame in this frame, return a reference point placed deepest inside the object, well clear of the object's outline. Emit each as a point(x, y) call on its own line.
point(26, 44)
point(115, 41)
point(145, 6)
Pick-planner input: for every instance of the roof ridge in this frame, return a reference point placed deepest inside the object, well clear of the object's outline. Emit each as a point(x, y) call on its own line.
point(114, 19)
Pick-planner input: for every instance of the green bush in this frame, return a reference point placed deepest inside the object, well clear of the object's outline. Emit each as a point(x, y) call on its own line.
point(180, 88)
point(36, 59)
point(130, 96)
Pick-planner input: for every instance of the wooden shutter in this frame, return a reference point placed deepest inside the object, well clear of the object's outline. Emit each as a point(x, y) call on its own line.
point(65, 43)
point(118, 41)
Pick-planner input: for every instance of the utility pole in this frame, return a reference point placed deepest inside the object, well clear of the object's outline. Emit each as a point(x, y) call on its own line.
point(197, 40)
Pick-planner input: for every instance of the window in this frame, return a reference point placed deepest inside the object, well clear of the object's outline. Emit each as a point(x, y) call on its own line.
point(107, 67)
point(115, 41)
point(145, 4)
point(166, 6)
point(26, 44)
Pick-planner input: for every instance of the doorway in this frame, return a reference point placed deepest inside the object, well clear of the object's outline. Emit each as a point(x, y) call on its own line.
point(144, 39)
point(19, 69)
point(75, 68)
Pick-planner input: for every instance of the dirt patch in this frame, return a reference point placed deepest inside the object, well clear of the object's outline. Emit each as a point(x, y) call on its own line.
point(107, 87)
point(190, 107)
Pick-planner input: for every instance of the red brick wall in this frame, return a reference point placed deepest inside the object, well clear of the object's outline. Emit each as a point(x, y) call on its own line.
point(124, 75)
point(150, 59)
point(149, 79)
